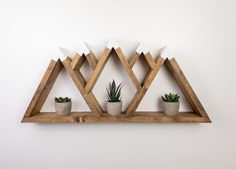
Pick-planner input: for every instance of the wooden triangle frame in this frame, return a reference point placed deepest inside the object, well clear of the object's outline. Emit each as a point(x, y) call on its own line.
point(97, 114)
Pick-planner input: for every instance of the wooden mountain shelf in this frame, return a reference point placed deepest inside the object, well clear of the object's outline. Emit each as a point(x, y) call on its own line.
point(97, 114)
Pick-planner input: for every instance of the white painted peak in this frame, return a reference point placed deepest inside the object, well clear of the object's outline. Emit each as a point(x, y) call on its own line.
point(112, 44)
point(142, 48)
point(83, 49)
point(60, 53)
point(162, 52)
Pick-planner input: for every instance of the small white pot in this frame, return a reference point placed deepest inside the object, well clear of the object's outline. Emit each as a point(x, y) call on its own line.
point(171, 108)
point(63, 109)
point(114, 108)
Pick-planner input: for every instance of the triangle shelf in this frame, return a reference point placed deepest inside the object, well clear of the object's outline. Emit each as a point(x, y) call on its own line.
point(97, 114)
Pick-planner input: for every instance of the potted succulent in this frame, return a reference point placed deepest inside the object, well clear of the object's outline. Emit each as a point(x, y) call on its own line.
point(63, 105)
point(171, 104)
point(114, 103)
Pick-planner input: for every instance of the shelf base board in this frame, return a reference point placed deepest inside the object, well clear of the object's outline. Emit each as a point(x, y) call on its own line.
point(144, 117)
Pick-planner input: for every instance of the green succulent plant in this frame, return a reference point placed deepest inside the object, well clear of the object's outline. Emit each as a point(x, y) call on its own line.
point(114, 92)
point(62, 100)
point(171, 97)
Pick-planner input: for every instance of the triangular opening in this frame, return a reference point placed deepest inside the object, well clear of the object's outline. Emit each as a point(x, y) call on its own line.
point(163, 83)
point(45, 87)
point(183, 84)
point(119, 69)
point(86, 70)
point(65, 87)
point(114, 69)
point(141, 68)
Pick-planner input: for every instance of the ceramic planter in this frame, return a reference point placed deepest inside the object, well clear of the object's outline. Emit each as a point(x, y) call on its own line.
point(63, 109)
point(171, 108)
point(114, 108)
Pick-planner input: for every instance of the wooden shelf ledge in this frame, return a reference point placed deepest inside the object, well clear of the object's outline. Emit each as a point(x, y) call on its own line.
point(88, 117)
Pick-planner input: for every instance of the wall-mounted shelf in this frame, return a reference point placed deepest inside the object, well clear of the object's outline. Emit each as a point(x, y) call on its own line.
point(87, 117)
point(97, 114)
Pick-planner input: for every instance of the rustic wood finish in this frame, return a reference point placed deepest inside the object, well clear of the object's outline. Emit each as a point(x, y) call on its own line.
point(79, 82)
point(72, 66)
point(44, 87)
point(144, 117)
point(128, 68)
point(133, 59)
point(147, 82)
point(184, 85)
point(98, 69)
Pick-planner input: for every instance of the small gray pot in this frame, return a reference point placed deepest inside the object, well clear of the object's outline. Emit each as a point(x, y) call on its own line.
point(63, 109)
point(171, 108)
point(114, 108)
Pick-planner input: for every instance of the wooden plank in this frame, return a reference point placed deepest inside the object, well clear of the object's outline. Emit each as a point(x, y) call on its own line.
point(77, 61)
point(147, 82)
point(89, 98)
point(184, 85)
point(92, 60)
point(128, 69)
point(52, 117)
point(144, 117)
point(44, 88)
point(80, 77)
point(152, 117)
point(133, 59)
point(149, 59)
point(98, 69)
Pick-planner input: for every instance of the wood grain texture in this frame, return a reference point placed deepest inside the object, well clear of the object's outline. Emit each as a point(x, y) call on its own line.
point(133, 59)
point(97, 114)
point(44, 88)
point(149, 59)
point(128, 69)
point(147, 82)
point(79, 82)
point(144, 117)
point(92, 60)
point(77, 61)
point(184, 85)
point(98, 69)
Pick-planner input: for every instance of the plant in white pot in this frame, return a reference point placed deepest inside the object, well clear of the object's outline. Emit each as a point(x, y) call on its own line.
point(114, 103)
point(171, 104)
point(63, 105)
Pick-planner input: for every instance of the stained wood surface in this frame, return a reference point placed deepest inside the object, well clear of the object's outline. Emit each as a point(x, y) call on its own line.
point(149, 59)
point(79, 82)
point(184, 85)
point(133, 59)
point(144, 117)
point(72, 66)
point(98, 69)
point(92, 60)
point(147, 82)
point(44, 87)
point(77, 61)
point(128, 68)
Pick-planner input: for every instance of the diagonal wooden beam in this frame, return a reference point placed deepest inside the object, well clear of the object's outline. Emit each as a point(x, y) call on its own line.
point(128, 68)
point(149, 60)
point(133, 59)
point(147, 82)
point(77, 61)
point(92, 60)
point(79, 82)
point(98, 69)
point(184, 85)
point(44, 88)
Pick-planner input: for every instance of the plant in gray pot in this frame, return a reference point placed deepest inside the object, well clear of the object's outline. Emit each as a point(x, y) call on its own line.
point(114, 103)
point(63, 105)
point(171, 104)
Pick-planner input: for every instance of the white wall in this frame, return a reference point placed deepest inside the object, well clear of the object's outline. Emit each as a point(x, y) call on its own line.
point(201, 34)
